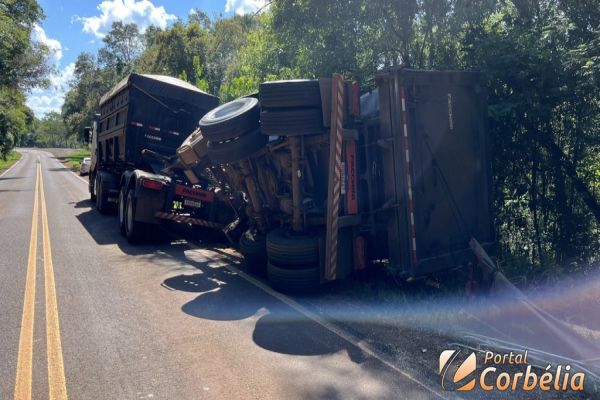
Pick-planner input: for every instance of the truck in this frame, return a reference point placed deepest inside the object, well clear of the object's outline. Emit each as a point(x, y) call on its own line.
point(398, 176)
point(142, 121)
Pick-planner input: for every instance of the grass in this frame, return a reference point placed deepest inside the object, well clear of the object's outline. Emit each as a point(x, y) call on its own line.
point(12, 158)
point(74, 159)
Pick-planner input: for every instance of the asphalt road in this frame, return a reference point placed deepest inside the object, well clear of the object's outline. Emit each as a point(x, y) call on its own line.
point(106, 320)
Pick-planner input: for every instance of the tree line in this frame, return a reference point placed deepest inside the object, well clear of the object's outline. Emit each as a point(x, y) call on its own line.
point(541, 60)
point(23, 66)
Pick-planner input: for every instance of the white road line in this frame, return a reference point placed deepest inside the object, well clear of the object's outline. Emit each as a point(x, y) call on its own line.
point(346, 336)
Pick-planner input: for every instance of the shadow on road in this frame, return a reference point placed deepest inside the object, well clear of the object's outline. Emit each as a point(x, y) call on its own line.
point(59, 169)
point(224, 296)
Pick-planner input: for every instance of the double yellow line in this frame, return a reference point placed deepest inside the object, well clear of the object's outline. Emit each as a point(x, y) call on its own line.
point(56, 375)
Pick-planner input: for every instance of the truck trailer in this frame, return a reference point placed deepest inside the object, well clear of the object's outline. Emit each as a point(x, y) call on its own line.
point(398, 176)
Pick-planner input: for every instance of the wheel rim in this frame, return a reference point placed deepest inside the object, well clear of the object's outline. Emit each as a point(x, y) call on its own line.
point(129, 213)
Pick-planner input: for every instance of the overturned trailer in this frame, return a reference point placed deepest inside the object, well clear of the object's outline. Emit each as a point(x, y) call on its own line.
point(331, 188)
point(427, 141)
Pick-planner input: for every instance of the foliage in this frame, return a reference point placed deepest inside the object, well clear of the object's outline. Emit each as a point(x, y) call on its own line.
point(544, 104)
point(21, 60)
point(259, 60)
point(75, 158)
point(50, 131)
point(8, 160)
point(22, 66)
point(122, 45)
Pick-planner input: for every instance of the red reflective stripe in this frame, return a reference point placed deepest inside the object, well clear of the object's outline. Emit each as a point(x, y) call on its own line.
point(174, 133)
point(139, 125)
point(351, 191)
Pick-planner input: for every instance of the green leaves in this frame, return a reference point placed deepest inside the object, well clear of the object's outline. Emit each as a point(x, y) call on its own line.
point(22, 67)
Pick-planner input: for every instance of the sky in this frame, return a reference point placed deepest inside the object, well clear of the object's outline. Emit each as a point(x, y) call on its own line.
point(72, 27)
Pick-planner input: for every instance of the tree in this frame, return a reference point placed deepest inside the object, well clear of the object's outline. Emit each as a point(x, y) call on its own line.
point(263, 57)
point(545, 120)
point(22, 62)
point(89, 83)
point(22, 66)
point(51, 131)
point(122, 45)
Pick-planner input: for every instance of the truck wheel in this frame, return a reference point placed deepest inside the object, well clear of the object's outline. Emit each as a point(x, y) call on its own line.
point(92, 186)
point(294, 122)
point(253, 248)
point(293, 250)
point(134, 230)
point(122, 209)
point(101, 197)
point(239, 148)
point(290, 94)
point(293, 280)
point(231, 120)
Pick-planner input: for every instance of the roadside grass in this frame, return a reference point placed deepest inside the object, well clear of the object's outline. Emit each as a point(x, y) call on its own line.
point(73, 160)
point(12, 158)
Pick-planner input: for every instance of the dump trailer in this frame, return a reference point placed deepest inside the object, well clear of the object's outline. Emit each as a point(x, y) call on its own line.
point(424, 171)
point(335, 181)
point(142, 122)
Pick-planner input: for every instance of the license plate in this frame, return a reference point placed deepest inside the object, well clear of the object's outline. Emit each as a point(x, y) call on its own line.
point(192, 203)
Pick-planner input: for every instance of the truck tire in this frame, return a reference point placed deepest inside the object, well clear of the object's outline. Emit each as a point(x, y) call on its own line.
point(293, 280)
point(135, 231)
point(225, 152)
point(231, 120)
point(122, 209)
point(102, 203)
point(290, 94)
point(92, 186)
point(294, 122)
point(253, 248)
point(291, 250)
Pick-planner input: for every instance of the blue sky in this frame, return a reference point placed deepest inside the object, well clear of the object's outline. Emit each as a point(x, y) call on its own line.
point(71, 27)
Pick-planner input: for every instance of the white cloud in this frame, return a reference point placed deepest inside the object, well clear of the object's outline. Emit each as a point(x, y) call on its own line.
point(43, 101)
point(142, 13)
point(244, 6)
point(38, 34)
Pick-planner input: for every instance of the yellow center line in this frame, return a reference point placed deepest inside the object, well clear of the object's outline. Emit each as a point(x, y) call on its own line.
point(25, 355)
point(56, 372)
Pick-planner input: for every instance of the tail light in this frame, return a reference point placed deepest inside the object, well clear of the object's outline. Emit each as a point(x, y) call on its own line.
point(152, 184)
